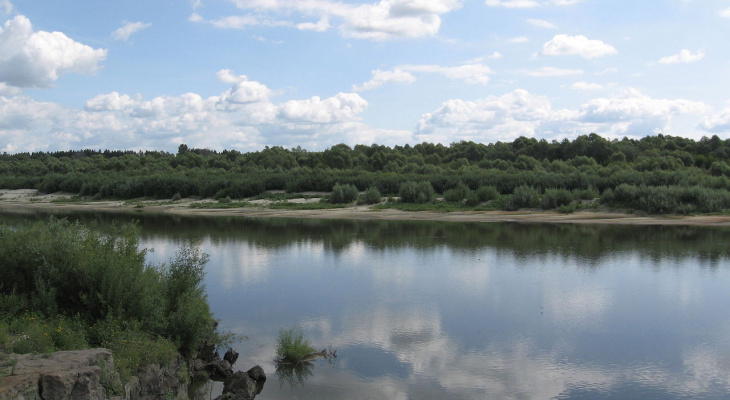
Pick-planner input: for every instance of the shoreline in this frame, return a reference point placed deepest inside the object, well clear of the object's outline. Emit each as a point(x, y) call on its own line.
point(26, 199)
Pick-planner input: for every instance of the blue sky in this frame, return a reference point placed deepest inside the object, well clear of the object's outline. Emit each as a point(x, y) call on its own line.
point(244, 74)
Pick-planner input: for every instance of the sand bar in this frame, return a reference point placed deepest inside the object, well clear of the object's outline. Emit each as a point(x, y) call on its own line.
point(27, 199)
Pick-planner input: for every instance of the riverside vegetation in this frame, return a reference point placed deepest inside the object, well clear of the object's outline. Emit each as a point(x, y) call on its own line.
point(656, 174)
point(64, 286)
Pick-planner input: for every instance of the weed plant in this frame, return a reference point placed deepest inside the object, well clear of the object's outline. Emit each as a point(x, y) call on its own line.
point(291, 347)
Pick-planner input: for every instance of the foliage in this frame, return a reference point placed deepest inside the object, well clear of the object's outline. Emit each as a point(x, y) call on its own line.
point(371, 196)
point(586, 166)
point(342, 194)
point(66, 286)
point(291, 346)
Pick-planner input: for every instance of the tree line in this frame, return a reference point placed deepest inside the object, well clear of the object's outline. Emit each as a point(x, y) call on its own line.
point(656, 174)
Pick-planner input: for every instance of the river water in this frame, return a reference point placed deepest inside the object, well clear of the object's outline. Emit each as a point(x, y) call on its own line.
point(435, 310)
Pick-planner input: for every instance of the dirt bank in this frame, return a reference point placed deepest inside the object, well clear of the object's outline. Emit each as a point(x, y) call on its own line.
point(28, 199)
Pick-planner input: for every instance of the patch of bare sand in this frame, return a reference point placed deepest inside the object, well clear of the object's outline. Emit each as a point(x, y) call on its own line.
point(28, 199)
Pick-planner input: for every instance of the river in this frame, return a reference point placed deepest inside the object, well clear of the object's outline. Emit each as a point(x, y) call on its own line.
point(434, 310)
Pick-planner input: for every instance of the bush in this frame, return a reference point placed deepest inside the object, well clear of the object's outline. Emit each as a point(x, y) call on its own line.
point(342, 194)
point(371, 196)
point(554, 198)
point(524, 197)
point(457, 194)
point(292, 347)
point(487, 193)
point(69, 278)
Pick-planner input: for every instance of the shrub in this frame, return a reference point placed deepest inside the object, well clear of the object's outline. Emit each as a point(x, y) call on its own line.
point(341, 194)
point(177, 197)
point(371, 196)
point(292, 347)
point(554, 198)
point(457, 194)
point(524, 197)
point(487, 193)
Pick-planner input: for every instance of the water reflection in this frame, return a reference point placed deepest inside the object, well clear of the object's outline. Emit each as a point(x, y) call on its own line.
point(453, 310)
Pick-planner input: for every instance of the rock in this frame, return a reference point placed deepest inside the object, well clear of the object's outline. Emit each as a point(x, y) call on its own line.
point(243, 385)
point(231, 356)
point(218, 370)
point(257, 373)
point(62, 375)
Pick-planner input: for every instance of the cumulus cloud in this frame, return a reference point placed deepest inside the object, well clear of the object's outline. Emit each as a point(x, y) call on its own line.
point(520, 113)
point(242, 117)
point(381, 77)
point(384, 20)
point(341, 107)
point(128, 29)
point(683, 57)
point(563, 45)
point(725, 13)
point(473, 73)
point(31, 59)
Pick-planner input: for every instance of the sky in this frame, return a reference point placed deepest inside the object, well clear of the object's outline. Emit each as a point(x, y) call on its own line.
point(245, 74)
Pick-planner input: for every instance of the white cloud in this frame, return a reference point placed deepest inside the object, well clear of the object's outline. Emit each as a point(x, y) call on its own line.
point(496, 55)
point(128, 29)
point(322, 25)
point(551, 72)
point(684, 57)
point(473, 73)
point(718, 122)
point(541, 23)
point(6, 90)
point(579, 45)
point(381, 77)
point(519, 39)
point(512, 3)
point(469, 73)
point(111, 102)
point(342, 107)
point(725, 13)
point(243, 91)
point(38, 59)
point(586, 86)
point(242, 117)
point(498, 118)
point(6, 6)
point(520, 113)
point(384, 20)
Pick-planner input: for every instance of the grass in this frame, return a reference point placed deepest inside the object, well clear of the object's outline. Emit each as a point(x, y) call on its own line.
point(291, 347)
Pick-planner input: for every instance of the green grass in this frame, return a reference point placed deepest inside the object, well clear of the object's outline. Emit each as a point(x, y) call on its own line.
point(291, 347)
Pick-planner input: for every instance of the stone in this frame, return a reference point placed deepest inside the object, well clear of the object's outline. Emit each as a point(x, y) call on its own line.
point(231, 356)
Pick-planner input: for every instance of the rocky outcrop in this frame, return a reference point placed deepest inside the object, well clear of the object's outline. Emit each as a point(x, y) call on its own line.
point(78, 375)
point(90, 375)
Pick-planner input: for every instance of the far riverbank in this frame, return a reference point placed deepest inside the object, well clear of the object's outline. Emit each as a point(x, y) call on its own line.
point(27, 199)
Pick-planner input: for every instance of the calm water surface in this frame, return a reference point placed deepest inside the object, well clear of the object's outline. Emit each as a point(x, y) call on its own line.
point(468, 311)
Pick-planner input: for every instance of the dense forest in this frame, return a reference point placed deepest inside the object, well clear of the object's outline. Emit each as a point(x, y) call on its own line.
point(656, 174)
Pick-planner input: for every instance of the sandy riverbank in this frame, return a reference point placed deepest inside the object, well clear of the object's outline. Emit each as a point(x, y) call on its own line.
point(28, 199)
